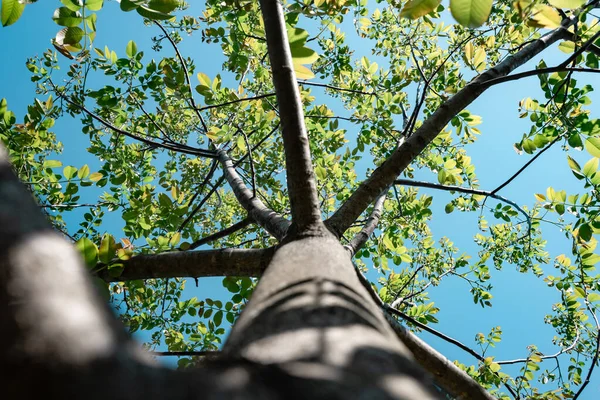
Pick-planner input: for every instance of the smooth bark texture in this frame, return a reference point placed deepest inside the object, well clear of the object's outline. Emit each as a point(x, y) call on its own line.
point(302, 188)
point(268, 219)
point(384, 175)
point(192, 264)
point(311, 316)
point(359, 240)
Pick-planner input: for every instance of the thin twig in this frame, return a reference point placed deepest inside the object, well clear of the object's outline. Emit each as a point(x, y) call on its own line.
point(221, 234)
point(451, 188)
point(187, 75)
point(228, 103)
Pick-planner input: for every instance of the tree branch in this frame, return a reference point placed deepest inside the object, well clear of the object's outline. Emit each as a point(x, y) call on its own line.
point(302, 187)
point(385, 174)
point(192, 264)
point(451, 188)
point(223, 233)
point(359, 240)
point(453, 379)
point(180, 148)
point(187, 75)
point(272, 222)
point(228, 103)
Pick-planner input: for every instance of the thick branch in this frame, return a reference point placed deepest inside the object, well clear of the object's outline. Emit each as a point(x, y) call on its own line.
point(272, 222)
point(192, 264)
point(385, 174)
point(302, 187)
point(453, 379)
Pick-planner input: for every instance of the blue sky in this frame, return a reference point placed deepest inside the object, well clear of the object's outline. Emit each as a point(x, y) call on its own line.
point(520, 301)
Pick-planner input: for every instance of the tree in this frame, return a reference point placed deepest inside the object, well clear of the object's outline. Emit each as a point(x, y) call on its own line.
point(315, 326)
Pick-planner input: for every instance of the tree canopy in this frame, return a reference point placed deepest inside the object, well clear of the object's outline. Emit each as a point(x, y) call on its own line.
point(353, 113)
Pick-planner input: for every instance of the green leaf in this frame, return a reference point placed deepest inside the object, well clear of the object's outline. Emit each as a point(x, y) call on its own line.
point(129, 5)
point(471, 13)
point(94, 5)
point(131, 49)
point(65, 17)
point(304, 55)
point(585, 232)
point(73, 5)
point(164, 6)
point(573, 164)
point(152, 14)
point(11, 11)
point(297, 37)
point(567, 4)
point(417, 8)
point(69, 172)
point(69, 36)
point(218, 318)
point(88, 250)
point(592, 145)
point(108, 248)
point(115, 270)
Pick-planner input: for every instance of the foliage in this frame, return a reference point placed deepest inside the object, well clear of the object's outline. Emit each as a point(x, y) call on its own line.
point(154, 150)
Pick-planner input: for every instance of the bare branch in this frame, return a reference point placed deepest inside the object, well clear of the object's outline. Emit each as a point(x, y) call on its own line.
point(186, 73)
point(180, 148)
point(451, 188)
point(539, 71)
point(191, 264)
point(272, 222)
point(385, 174)
point(555, 355)
point(223, 233)
point(228, 103)
point(524, 167)
point(201, 353)
point(302, 188)
point(359, 240)
point(336, 88)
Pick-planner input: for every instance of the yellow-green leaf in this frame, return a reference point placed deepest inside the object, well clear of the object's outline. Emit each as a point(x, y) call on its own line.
point(471, 13)
point(545, 16)
point(69, 172)
point(592, 145)
point(567, 4)
point(95, 177)
point(83, 172)
point(304, 55)
point(52, 164)
point(417, 8)
point(11, 11)
point(203, 79)
point(107, 248)
point(131, 49)
point(302, 72)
